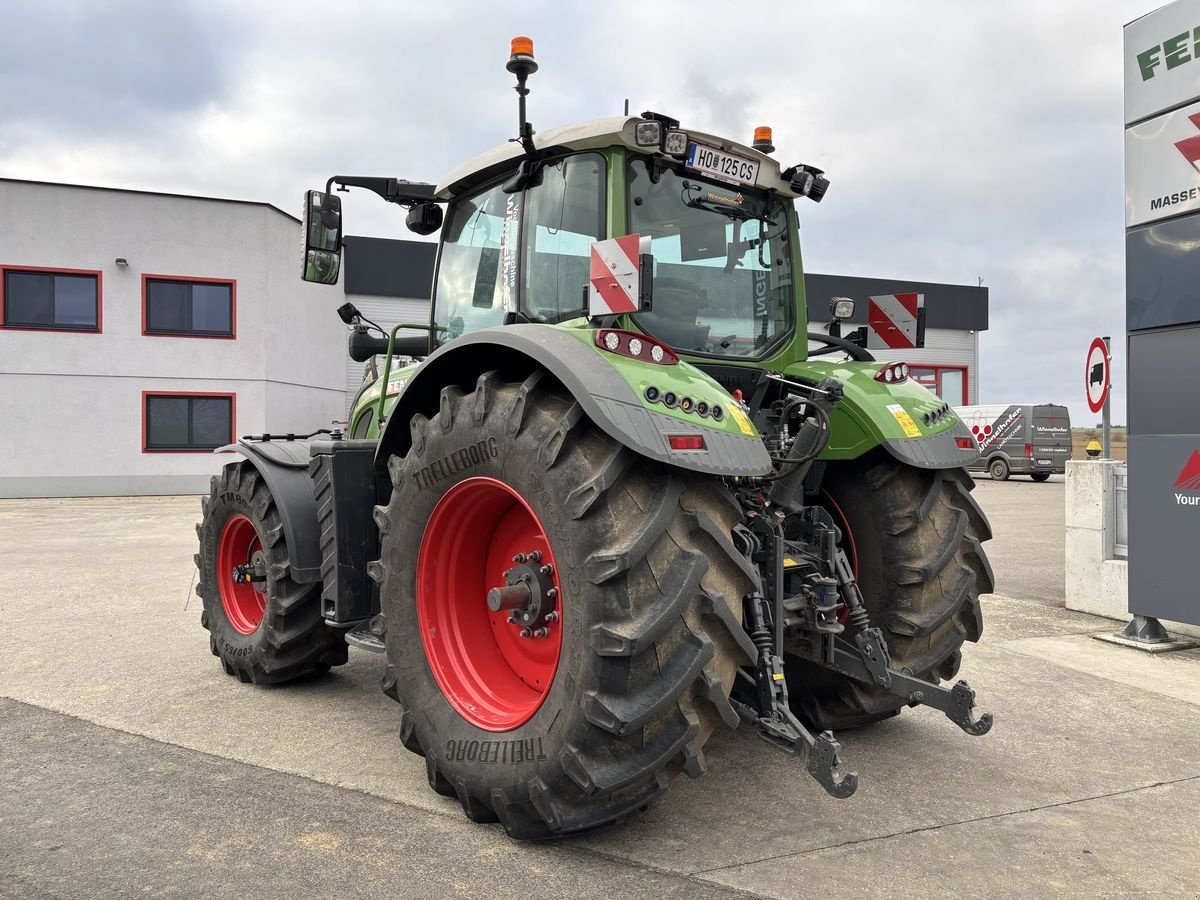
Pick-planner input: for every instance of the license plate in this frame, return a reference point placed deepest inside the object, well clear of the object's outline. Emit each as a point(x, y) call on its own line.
point(727, 167)
point(1043, 462)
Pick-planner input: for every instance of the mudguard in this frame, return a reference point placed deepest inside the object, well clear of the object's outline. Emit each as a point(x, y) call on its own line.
point(907, 419)
point(283, 465)
point(605, 394)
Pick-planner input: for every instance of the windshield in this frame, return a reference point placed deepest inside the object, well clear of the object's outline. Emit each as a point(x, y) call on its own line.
point(722, 265)
point(476, 281)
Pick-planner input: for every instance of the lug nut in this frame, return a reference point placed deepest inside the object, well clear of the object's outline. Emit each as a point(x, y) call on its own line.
point(541, 632)
point(535, 556)
point(547, 570)
point(519, 558)
point(552, 593)
point(525, 632)
point(552, 616)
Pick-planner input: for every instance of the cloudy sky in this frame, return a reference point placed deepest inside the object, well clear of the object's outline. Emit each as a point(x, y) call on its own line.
point(963, 140)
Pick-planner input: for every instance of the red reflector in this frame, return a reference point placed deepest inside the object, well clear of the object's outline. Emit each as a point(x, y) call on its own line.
point(686, 441)
point(965, 443)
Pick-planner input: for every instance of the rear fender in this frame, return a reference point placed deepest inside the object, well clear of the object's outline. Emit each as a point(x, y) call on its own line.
point(283, 465)
point(608, 388)
point(907, 419)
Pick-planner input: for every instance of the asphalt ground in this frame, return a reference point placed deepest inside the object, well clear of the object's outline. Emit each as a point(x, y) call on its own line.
point(130, 764)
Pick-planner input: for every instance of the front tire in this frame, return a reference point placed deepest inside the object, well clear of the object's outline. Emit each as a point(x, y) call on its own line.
point(264, 631)
point(914, 537)
point(647, 640)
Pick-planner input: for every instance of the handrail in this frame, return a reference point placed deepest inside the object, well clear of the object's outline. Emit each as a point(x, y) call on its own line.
point(387, 366)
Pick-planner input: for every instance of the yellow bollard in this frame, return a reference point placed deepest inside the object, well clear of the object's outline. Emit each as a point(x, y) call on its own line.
point(1093, 448)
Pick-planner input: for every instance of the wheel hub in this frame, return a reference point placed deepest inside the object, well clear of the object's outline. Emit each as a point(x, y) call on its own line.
point(529, 595)
point(494, 661)
point(242, 574)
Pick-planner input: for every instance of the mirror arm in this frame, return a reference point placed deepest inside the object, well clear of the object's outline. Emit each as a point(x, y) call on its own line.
point(393, 190)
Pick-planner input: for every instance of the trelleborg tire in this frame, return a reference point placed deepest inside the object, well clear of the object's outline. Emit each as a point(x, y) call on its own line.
point(264, 632)
point(915, 539)
point(554, 734)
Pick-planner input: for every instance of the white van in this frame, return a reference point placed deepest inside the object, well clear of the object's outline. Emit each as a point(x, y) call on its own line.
point(1031, 439)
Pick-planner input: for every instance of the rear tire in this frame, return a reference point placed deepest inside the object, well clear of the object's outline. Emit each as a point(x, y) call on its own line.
point(1040, 476)
point(650, 609)
point(914, 537)
point(998, 469)
point(264, 636)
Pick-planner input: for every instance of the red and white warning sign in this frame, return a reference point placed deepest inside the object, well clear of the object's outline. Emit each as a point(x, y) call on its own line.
point(893, 321)
point(1097, 374)
point(614, 281)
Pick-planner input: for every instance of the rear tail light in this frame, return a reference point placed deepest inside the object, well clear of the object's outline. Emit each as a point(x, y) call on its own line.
point(1029, 451)
point(686, 441)
point(635, 346)
point(965, 443)
point(893, 373)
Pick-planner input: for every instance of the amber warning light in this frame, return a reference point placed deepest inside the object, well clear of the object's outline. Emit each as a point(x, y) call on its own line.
point(522, 46)
point(762, 139)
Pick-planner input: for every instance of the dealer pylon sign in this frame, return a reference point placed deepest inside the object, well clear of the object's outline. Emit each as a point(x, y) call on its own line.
point(620, 276)
point(896, 322)
point(1097, 375)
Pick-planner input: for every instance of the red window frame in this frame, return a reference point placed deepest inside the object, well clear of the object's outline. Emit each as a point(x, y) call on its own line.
point(190, 279)
point(52, 270)
point(938, 368)
point(146, 395)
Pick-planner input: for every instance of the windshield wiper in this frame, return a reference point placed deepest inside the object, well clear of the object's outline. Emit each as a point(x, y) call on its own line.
point(730, 212)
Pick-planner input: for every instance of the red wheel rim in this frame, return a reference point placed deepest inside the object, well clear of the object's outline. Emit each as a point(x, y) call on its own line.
point(244, 604)
point(493, 677)
point(839, 519)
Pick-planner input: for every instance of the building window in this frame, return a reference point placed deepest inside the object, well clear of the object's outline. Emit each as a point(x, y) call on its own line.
point(948, 382)
point(189, 307)
point(187, 421)
point(50, 299)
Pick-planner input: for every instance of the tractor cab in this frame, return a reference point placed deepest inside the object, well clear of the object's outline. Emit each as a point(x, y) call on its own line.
point(520, 222)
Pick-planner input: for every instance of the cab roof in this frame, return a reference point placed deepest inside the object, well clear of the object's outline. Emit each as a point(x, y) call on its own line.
point(617, 131)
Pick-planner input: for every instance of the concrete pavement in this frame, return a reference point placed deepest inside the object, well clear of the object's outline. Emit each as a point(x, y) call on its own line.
point(1083, 787)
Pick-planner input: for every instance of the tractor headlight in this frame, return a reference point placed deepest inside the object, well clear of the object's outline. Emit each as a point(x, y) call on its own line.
point(841, 307)
point(675, 143)
point(648, 133)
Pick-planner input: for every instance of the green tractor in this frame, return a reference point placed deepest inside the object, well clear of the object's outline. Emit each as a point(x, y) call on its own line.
point(624, 499)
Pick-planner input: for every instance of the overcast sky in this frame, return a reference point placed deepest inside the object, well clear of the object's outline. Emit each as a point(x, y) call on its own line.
point(962, 140)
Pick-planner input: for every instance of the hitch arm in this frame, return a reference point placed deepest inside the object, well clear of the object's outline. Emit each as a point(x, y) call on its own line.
point(957, 702)
point(774, 718)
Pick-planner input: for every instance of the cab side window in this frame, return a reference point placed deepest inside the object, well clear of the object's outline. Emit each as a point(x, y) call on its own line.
point(565, 215)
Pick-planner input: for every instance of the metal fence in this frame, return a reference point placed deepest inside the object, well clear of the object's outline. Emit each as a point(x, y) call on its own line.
point(1121, 512)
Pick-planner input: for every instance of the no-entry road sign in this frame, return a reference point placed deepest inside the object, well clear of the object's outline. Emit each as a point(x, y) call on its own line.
point(1097, 375)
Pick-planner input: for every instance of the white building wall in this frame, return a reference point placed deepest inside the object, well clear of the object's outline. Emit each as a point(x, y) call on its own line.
point(72, 402)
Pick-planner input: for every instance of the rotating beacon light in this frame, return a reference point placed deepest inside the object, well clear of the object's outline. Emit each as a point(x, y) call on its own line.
point(762, 139)
point(522, 64)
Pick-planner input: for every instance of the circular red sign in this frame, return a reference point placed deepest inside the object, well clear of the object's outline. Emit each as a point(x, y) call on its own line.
point(1097, 375)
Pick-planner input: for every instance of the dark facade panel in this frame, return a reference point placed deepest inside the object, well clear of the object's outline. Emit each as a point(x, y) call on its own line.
point(953, 306)
point(1163, 369)
point(1162, 281)
point(382, 267)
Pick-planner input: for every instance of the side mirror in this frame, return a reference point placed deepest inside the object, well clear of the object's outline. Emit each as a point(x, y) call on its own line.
point(424, 218)
point(322, 230)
